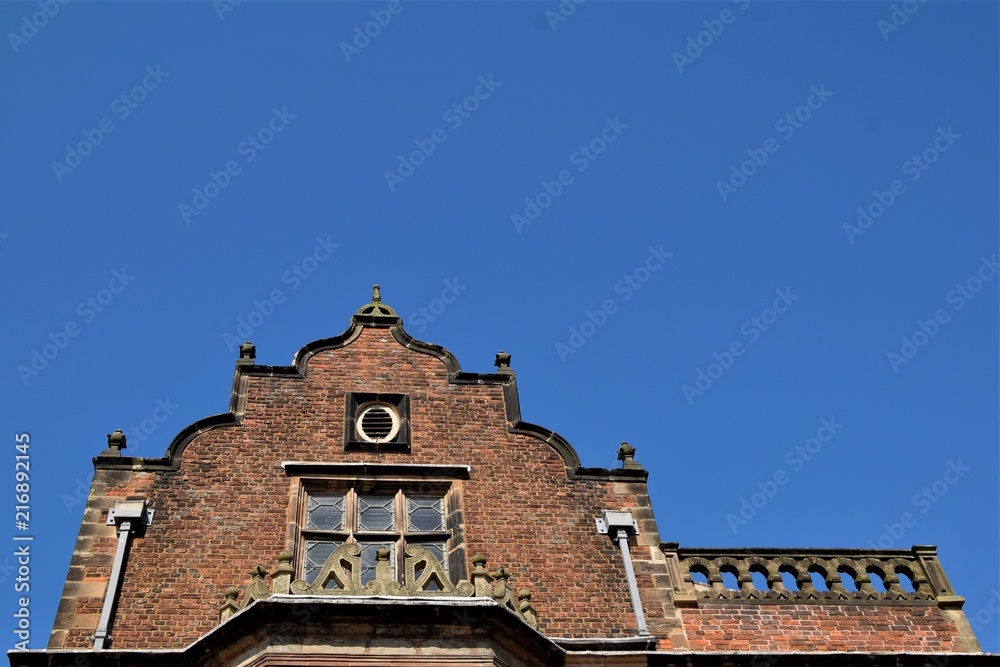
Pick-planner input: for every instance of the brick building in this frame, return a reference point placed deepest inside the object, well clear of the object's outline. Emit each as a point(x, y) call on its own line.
point(374, 504)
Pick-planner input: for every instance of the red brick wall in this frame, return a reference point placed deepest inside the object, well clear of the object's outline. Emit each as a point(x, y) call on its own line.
point(227, 507)
point(818, 627)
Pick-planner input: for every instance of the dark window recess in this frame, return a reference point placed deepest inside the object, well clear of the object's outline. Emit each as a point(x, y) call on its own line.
point(378, 422)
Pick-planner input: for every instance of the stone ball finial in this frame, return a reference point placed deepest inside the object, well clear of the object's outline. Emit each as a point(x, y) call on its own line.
point(524, 594)
point(116, 440)
point(248, 351)
point(502, 362)
point(232, 592)
point(382, 554)
point(285, 557)
point(626, 454)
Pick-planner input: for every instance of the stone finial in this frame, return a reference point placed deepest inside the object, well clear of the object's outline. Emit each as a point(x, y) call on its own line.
point(116, 443)
point(626, 454)
point(230, 606)
point(257, 590)
point(248, 352)
point(424, 575)
point(502, 362)
point(376, 309)
point(281, 578)
point(524, 606)
point(383, 570)
point(117, 439)
point(479, 577)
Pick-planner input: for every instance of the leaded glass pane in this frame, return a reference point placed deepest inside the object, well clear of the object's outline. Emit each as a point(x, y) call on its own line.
point(425, 513)
point(376, 512)
point(317, 554)
point(368, 559)
point(326, 512)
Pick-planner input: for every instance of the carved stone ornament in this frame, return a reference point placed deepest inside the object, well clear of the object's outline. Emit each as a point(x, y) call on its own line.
point(421, 569)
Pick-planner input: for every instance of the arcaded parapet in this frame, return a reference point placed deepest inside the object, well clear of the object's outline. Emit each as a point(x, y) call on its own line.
point(817, 600)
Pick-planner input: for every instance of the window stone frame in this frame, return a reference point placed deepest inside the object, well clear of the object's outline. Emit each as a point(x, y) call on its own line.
point(452, 532)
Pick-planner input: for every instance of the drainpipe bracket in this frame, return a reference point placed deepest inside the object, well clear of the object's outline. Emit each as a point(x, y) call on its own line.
point(130, 511)
point(612, 522)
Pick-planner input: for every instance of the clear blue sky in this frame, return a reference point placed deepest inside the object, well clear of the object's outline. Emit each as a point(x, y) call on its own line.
point(611, 196)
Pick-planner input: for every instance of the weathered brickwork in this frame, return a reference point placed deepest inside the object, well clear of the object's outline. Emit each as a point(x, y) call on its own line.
point(224, 503)
point(228, 506)
point(819, 627)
